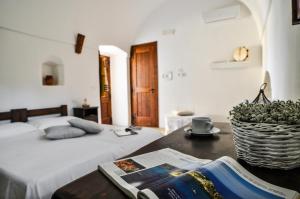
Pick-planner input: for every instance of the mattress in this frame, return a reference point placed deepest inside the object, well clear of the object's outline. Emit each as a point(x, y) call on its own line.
point(33, 167)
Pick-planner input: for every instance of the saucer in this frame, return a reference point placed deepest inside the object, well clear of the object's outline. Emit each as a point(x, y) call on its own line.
point(213, 131)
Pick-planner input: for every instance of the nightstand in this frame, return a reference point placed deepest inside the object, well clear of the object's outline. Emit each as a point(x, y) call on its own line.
point(90, 113)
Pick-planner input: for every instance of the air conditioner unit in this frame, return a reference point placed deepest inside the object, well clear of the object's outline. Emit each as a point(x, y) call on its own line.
point(221, 14)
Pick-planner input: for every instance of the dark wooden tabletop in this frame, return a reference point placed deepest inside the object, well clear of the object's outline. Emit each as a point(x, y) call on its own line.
point(95, 185)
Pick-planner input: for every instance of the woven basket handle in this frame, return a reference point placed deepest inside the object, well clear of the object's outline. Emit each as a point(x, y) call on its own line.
point(263, 86)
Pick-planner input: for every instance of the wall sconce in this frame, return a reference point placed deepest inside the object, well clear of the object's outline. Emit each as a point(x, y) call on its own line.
point(79, 43)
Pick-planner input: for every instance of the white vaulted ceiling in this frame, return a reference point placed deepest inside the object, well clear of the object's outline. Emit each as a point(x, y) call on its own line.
point(260, 10)
point(107, 22)
point(102, 21)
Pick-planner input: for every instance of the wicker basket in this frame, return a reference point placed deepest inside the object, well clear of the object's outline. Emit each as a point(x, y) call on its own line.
point(267, 145)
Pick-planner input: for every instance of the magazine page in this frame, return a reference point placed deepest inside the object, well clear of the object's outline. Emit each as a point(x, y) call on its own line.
point(139, 172)
point(223, 178)
point(253, 183)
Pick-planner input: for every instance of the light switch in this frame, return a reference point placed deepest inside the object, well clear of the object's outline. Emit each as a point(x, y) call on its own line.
point(168, 76)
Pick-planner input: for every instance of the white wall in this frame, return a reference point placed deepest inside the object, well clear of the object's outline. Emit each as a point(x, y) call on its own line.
point(57, 23)
point(193, 47)
point(21, 73)
point(282, 47)
point(119, 84)
point(120, 92)
point(47, 29)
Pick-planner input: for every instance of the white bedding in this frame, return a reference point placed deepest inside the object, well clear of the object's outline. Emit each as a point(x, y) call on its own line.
point(43, 123)
point(33, 167)
point(13, 129)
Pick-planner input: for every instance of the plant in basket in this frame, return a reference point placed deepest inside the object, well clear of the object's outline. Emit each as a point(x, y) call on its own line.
point(267, 134)
point(276, 112)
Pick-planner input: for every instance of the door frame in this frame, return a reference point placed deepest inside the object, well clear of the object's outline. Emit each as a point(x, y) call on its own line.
point(100, 67)
point(156, 85)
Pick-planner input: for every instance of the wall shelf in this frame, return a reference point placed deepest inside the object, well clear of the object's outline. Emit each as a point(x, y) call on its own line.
point(254, 60)
point(230, 65)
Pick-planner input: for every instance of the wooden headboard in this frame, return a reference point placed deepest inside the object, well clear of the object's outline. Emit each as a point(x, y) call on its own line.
point(22, 115)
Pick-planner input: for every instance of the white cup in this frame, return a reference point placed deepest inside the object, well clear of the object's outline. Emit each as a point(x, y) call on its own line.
point(201, 125)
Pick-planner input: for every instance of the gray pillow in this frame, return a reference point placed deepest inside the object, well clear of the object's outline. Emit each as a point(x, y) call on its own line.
point(88, 126)
point(63, 132)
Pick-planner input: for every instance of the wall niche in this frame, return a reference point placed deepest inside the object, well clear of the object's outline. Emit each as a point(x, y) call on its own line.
point(53, 73)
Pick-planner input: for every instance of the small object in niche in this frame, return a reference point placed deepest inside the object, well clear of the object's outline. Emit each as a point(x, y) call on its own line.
point(241, 54)
point(48, 80)
point(185, 113)
point(85, 104)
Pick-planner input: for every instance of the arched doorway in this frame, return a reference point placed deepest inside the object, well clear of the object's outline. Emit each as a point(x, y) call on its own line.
point(114, 85)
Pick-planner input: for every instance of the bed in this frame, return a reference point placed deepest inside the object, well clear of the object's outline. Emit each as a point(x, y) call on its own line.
point(34, 167)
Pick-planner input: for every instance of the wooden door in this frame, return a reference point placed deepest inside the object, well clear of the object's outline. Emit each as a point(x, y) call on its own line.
point(144, 85)
point(105, 90)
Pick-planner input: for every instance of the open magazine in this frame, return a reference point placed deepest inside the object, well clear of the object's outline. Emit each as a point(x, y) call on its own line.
point(169, 174)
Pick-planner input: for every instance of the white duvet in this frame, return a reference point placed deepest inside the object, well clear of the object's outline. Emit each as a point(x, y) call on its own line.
point(33, 167)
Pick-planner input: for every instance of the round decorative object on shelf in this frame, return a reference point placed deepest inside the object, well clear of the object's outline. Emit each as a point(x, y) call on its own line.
point(241, 54)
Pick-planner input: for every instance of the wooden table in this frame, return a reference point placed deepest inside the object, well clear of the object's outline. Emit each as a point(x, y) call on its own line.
point(96, 185)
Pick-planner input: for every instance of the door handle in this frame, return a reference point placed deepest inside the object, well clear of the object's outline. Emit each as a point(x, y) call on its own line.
point(152, 90)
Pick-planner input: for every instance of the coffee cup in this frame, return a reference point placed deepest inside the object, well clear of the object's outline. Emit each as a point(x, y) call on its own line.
point(201, 125)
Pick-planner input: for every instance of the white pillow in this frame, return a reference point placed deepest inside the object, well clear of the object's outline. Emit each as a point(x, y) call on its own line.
point(43, 123)
point(13, 129)
point(88, 126)
point(63, 132)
